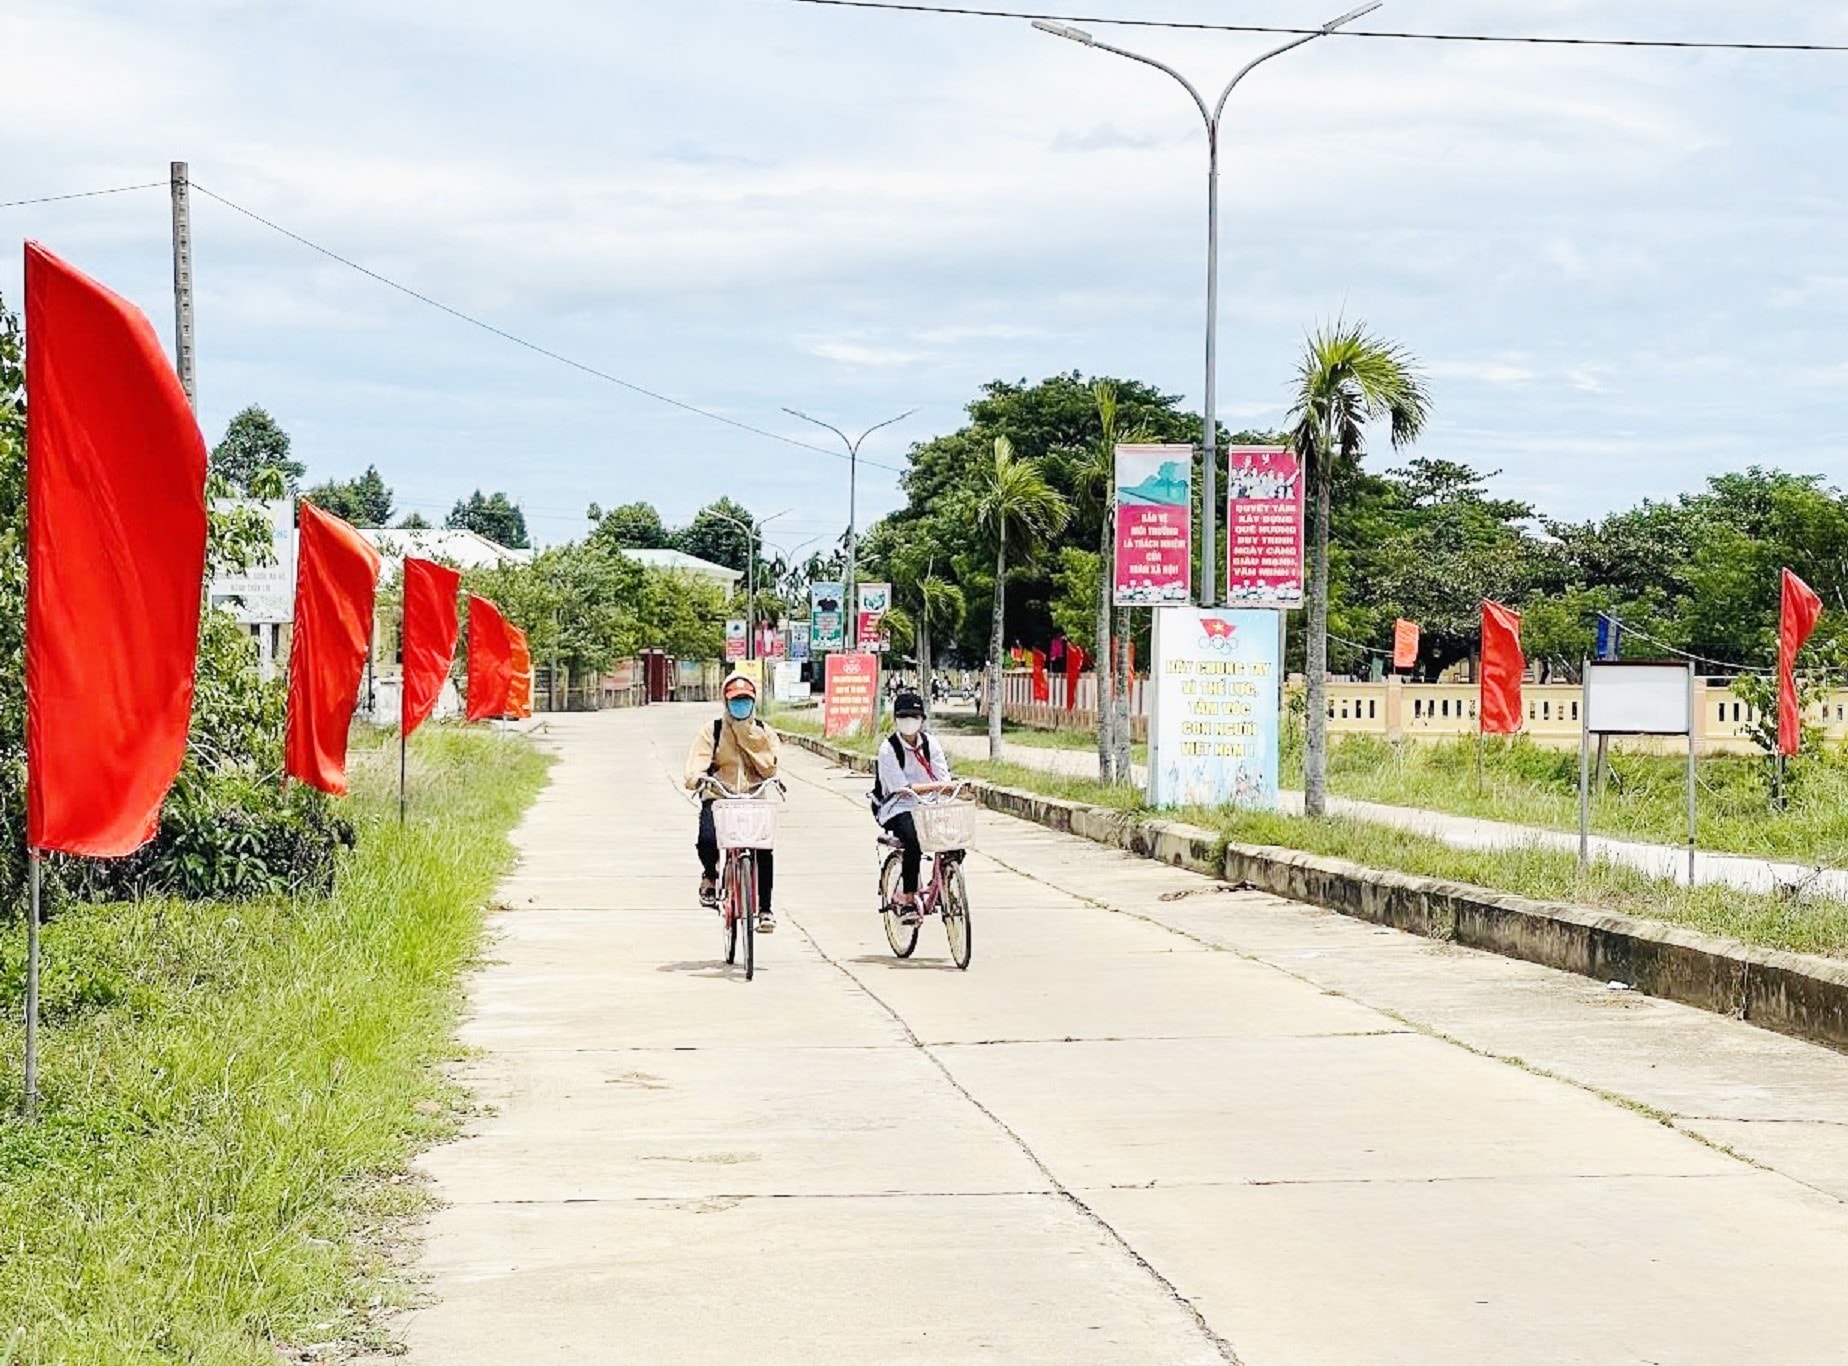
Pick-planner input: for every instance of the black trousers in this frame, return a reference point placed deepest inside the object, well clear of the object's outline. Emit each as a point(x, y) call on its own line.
point(708, 847)
point(905, 830)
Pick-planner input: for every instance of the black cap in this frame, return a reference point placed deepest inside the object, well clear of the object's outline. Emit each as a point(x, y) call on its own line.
point(907, 704)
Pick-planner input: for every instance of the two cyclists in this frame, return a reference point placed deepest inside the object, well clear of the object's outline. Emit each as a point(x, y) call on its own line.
point(740, 751)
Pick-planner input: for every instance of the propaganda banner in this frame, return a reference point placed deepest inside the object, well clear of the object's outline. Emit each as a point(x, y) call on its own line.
point(875, 602)
point(1214, 733)
point(851, 693)
point(1264, 527)
point(736, 638)
point(1404, 644)
point(827, 617)
point(799, 641)
point(1154, 525)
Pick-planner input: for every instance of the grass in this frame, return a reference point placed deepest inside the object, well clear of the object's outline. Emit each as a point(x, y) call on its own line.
point(233, 1091)
point(1803, 924)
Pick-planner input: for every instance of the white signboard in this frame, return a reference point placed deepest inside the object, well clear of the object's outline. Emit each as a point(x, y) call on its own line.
point(1214, 729)
point(265, 595)
point(1639, 699)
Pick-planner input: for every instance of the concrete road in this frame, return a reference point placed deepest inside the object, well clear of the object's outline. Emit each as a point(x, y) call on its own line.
point(1157, 1121)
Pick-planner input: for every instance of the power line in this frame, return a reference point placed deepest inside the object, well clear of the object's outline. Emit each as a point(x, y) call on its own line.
point(81, 194)
point(1544, 41)
point(1754, 669)
point(520, 341)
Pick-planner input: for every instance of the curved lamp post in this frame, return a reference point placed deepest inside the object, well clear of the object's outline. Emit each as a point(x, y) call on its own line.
point(852, 605)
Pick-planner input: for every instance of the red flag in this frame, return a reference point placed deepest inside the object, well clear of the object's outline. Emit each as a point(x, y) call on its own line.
point(520, 680)
point(1798, 608)
point(1404, 644)
point(490, 660)
point(115, 560)
point(336, 575)
point(1074, 665)
point(1502, 668)
point(1042, 688)
point(429, 638)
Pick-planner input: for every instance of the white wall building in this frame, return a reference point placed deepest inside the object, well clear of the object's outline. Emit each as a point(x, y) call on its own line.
point(679, 562)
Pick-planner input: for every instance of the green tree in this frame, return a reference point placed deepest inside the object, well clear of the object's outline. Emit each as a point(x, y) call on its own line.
point(364, 501)
point(633, 526)
point(1347, 378)
point(1013, 502)
point(413, 521)
point(493, 515)
point(719, 533)
point(253, 442)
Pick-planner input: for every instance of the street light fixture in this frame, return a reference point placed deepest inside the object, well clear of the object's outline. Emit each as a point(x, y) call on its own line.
point(753, 531)
point(1209, 445)
point(852, 604)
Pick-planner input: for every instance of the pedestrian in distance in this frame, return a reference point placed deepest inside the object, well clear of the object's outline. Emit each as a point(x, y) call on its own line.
point(911, 764)
point(740, 751)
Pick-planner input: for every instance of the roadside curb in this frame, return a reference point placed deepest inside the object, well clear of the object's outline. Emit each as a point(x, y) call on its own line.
point(1791, 993)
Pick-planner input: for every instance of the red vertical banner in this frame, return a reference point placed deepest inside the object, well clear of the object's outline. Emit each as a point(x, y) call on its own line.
point(1074, 666)
point(1264, 527)
point(490, 660)
point(336, 576)
point(1503, 666)
point(1154, 525)
point(1798, 609)
point(1042, 686)
point(520, 676)
point(1404, 644)
point(430, 629)
point(115, 556)
point(851, 694)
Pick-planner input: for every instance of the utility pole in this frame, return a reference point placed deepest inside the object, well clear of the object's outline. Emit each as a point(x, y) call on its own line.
point(184, 358)
point(852, 604)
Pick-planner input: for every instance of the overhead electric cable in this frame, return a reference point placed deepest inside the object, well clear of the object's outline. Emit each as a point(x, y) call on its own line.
point(1403, 35)
point(520, 341)
point(81, 194)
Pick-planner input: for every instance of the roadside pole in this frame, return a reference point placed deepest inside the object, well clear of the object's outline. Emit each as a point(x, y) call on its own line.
point(184, 357)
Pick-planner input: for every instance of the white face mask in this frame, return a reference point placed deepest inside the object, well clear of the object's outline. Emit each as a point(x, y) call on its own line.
point(909, 726)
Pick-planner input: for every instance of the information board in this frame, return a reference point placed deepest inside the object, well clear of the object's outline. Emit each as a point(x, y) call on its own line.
point(1264, 527)
point(1154, 525)
point(1214, 732)
point(850, 694)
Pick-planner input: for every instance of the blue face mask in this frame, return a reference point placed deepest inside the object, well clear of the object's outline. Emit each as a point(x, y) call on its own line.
point(741, 708)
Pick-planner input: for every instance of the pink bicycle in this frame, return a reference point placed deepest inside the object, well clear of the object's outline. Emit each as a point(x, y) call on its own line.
point(945, 826)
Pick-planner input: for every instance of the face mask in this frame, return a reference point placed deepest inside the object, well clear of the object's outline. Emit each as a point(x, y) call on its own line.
point(909, 726)
point(741, 708)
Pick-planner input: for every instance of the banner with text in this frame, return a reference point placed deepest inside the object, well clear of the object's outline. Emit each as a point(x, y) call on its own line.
point(1264, 527)
point(735, 639)
point(1214, 732)
point(827, 617)
point(799, 641)
point(1154, 525)
point(851, 691)
point(875, 602)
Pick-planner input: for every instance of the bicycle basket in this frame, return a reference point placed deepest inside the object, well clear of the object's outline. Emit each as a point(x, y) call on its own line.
point(944, 826)
point(742, 824)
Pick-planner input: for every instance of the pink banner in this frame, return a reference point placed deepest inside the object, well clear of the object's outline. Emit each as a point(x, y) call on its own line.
point(852, 690)
point(1154, 525)
point(1264, 527)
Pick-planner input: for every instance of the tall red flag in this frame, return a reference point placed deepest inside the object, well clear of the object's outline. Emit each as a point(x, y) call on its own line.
point(1503, 665)
point(520, 684)
point(490, 660)
point(336, 576)
point(1042, 687)
point(1074, 665)
point(1798, 608)
point(115, 561)
point(430, 630)
point(1404, 644)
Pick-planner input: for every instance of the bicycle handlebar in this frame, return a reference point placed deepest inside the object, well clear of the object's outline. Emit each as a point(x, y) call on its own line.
point(708, 780)
point(954, 794)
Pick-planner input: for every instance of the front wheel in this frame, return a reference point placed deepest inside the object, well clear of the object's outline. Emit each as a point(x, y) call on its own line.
point(747, 913)
point(955, 914)
point(728, 914)
point(902, 937)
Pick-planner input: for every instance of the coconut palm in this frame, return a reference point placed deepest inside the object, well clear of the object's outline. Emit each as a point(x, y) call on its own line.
point(1347, 379)
point(1013, 504)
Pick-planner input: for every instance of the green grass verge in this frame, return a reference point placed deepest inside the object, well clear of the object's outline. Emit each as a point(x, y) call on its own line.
point(233, 1091)
point(1804, 924)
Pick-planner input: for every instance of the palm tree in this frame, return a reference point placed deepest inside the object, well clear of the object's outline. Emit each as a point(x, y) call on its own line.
point(1348, 378)
point(1013, 503)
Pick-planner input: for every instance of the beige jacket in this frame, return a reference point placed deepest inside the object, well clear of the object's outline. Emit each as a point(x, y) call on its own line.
point(748, 752)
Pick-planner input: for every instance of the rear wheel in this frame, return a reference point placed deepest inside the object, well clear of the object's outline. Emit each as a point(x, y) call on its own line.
point(955, 913)
point(902, 937)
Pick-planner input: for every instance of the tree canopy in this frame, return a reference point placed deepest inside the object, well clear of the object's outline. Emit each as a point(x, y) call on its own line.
point(254, 442)
point(493, 515)
point(365, 501)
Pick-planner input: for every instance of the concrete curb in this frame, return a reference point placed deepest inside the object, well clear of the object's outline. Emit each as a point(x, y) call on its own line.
point(1792, 993)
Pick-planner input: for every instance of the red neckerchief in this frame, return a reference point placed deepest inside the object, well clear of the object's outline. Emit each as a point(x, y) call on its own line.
point(923, 754)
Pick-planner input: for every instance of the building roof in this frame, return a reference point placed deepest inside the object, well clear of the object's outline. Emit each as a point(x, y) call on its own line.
point(681, 562)
point(452, 545)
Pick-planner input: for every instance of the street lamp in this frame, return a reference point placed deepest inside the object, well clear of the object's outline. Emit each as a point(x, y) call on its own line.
point(752, 532)
point(852, 604)
point(1209, 445)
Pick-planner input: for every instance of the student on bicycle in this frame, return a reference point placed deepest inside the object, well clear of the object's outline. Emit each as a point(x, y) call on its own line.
point(911, 764)
point(740, 751)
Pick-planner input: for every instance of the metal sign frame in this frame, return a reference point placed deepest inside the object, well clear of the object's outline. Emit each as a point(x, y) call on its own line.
point(1590, 670)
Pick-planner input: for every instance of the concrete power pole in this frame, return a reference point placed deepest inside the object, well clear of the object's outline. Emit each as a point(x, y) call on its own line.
point(184, 359)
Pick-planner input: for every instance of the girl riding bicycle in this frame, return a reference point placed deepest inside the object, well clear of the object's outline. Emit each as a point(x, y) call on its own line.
point(740, 751)
point(911, 764)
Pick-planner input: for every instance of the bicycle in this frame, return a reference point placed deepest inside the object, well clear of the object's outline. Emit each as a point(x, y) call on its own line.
point(946, 826)
point(744, 823)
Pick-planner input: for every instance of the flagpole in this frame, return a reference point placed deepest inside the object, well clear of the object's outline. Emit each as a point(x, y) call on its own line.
point(403, 742)
point(32, 985)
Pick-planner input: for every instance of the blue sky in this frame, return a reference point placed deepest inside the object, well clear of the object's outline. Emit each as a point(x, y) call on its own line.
point(1624, 271)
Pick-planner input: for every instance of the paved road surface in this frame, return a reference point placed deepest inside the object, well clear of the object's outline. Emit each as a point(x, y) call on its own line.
point(1469, 832)
point(1157, 1121)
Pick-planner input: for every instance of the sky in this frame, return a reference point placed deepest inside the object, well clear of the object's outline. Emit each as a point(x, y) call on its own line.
point(1623, 271)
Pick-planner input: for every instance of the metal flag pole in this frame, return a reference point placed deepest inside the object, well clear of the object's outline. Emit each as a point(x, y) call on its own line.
point(403, 764)
point(32, 983)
